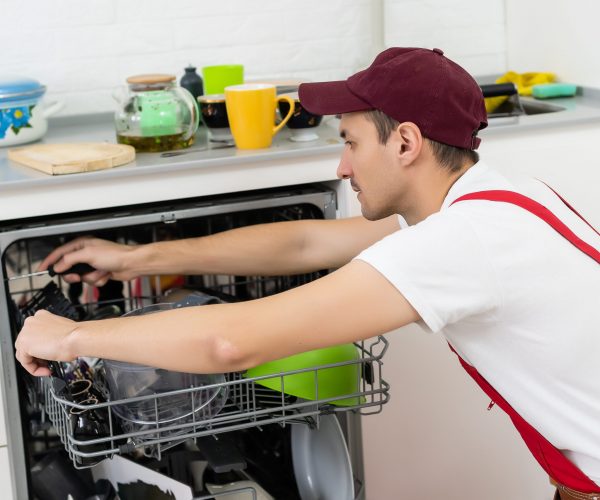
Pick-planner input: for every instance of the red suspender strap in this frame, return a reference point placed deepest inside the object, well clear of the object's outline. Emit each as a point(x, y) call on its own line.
point(541, 211)
point(549, 457)
point(556, 465)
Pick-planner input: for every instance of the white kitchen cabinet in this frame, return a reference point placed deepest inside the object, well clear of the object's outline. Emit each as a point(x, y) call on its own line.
point(435, 438)
point(5, 479)
point(564, 157)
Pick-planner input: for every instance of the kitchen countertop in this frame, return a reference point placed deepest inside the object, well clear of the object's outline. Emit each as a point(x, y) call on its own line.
point(580, 109)
point(99, 128)
point(26, 193)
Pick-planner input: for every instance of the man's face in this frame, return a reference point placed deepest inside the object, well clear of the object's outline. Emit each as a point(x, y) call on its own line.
point(368, 165)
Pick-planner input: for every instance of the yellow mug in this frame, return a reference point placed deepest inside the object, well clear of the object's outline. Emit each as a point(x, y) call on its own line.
point(251, 114)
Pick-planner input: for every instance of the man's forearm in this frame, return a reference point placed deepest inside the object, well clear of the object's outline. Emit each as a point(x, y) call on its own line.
point(353, 303)
point(279, 248)
point(181, 340)
point(264, 249)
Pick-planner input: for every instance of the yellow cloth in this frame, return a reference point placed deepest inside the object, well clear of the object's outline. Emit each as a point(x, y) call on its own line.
point(523, 81)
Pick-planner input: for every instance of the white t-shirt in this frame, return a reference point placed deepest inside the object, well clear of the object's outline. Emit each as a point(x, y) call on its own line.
point(515, 299)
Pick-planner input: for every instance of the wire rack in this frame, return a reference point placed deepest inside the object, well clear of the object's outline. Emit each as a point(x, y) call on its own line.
point(245, 403)
point(239, 402)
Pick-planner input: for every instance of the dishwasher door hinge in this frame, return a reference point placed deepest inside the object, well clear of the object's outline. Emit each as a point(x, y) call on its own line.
point(168, 218)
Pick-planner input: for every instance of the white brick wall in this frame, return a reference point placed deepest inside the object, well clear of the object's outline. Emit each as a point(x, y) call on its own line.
point(81, 49)
point(470, 32)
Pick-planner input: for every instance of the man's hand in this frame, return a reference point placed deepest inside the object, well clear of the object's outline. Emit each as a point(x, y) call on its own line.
point(107, 257)
point(44, 337)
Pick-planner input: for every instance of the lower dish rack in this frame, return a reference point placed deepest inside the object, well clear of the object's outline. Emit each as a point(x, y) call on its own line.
point(96, 428)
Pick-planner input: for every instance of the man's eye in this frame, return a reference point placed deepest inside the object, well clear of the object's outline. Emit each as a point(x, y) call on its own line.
point(348, 143)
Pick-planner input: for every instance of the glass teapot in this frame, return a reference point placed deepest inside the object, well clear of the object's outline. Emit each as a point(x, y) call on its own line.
point(155, 114)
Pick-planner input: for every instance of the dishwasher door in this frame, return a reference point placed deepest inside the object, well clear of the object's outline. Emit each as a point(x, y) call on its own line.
point(39, 416)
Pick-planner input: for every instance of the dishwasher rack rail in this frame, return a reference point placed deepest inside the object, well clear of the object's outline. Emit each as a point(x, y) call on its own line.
point(248, 404)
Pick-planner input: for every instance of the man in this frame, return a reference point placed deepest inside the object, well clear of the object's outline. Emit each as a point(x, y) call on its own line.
point(514, 293)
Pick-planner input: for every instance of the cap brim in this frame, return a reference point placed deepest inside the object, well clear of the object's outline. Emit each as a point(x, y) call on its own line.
point(330, 98)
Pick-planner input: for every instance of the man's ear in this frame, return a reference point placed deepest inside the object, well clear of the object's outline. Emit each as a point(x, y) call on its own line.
point(409, 141)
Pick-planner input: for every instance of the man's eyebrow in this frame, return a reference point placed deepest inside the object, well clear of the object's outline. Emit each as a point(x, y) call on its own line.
point(343, 133)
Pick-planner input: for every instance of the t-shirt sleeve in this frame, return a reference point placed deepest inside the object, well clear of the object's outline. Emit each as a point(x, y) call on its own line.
point(440, 267)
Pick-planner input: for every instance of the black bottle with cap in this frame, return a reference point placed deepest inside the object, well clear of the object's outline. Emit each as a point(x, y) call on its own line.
point(192, 82)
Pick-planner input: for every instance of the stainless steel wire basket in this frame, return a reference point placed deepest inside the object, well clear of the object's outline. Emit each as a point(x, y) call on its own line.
point(247, 404)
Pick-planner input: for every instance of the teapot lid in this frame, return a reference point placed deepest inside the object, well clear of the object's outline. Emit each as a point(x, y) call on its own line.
point(151, 79)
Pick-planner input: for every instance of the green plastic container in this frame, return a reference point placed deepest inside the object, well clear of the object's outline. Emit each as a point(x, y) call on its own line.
point(321, 383)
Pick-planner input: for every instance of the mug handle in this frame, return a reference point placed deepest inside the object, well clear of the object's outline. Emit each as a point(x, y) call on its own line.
point(292, 104)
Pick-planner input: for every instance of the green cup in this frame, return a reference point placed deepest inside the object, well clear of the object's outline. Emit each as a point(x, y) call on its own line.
point(216, 78)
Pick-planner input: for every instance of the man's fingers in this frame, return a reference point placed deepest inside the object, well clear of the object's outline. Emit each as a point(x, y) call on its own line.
point(95, 278)
point(33, 365)
point(41, 371)
point(59, 252)
point(70, 259)
point(102, 280)
point(71, 278)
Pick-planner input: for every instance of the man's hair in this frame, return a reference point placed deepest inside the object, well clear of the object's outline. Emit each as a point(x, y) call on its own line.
point(449, 157)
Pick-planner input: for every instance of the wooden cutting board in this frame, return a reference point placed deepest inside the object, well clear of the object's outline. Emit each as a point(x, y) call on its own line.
point(57, 159)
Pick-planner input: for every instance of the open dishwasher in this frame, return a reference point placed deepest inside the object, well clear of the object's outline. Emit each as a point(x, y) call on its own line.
point(239, 429)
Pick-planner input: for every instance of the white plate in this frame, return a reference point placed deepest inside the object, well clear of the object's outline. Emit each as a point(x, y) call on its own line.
point(321, 461)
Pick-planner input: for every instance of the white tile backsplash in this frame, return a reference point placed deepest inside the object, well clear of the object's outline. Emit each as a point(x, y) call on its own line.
point(82, 50)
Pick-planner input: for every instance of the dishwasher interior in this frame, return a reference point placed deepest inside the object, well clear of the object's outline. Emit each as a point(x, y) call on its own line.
point(235, 429)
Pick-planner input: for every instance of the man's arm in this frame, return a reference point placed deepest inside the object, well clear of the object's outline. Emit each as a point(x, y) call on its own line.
point(355, 302)
point(264, 249)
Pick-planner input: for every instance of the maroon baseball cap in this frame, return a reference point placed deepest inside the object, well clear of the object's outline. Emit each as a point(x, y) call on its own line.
point(410, 85)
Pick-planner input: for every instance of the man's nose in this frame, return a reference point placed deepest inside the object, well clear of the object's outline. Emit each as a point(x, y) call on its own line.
point(344, 170)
